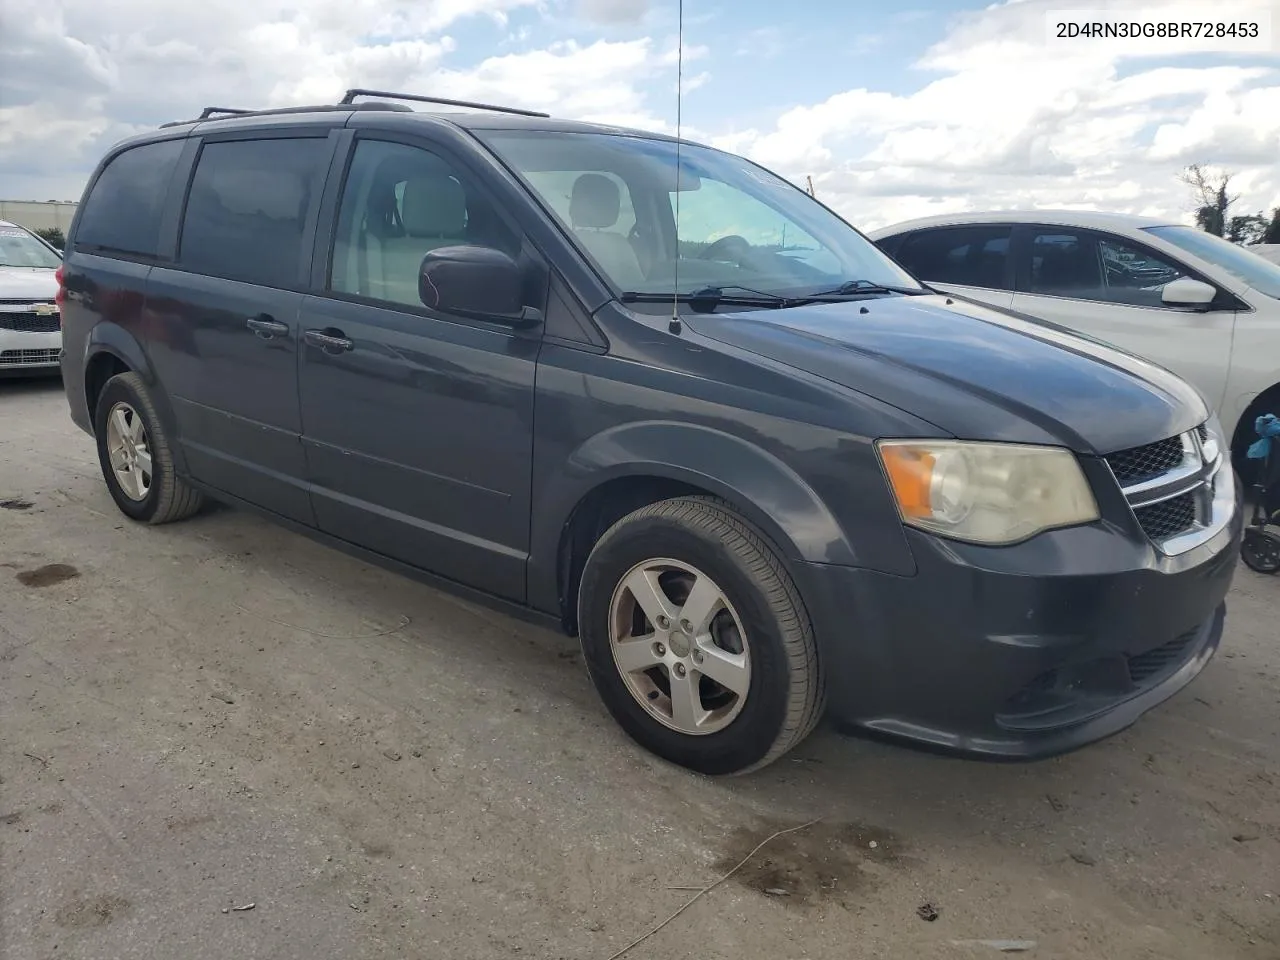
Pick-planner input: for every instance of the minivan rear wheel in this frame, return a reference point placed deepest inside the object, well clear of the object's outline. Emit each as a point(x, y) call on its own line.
point(136, 457)
point(696, 638)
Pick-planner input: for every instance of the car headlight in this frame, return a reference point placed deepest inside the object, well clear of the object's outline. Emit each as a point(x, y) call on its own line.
point(989, 493)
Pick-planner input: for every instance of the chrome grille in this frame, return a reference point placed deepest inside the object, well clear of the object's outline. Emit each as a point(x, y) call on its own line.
point(1143, 463)
point(18, 358)
point(29, 322)
point(1176, 488)
point(1168, 518)
point(29, 316)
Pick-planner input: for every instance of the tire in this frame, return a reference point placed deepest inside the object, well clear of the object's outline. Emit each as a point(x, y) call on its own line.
point(768, 650)
point(162, 497)
point(1260, 551)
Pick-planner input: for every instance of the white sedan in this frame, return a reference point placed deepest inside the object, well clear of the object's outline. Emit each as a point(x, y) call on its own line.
point(30, 331)
point(1202, 307)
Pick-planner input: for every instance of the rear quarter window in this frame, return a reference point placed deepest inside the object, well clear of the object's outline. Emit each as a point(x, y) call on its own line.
point(123, 210)
point(975, 255)
point(247, 209)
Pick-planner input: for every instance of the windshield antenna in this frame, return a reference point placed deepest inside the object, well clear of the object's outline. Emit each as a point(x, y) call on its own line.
point(674, 325)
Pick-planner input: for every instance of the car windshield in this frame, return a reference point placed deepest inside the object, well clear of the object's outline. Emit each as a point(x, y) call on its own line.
point(741, 229)
point(20, 249)
point(1238, 261)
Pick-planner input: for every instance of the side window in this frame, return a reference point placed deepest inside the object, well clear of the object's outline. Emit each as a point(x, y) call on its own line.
point(247, 209)
point(398, 204)
point(123, 211)
point(1134, 275)
point(890, 244)
point(1065, 263)
point(974, 256)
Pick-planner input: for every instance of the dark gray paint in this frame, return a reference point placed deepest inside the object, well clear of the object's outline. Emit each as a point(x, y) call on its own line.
point(463, 450)
point(418, 440)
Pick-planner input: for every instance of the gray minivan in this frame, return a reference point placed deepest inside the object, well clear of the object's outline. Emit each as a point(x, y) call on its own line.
point(654, 394)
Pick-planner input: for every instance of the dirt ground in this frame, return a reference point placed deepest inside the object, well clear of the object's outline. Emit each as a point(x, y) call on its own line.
point(219, 715)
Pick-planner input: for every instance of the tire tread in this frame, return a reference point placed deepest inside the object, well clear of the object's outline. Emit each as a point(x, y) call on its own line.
point(178, 500)
point(717, 520)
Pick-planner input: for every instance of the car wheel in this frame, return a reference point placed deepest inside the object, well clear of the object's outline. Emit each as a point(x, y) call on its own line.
point(1261, 551)
point(136, 456)
point(696, 638)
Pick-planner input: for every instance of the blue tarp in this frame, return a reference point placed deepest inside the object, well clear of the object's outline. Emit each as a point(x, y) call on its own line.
point(1267, 427)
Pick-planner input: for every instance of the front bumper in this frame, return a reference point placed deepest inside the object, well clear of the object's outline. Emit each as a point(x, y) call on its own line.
point(31, 353)
point(1020, 652)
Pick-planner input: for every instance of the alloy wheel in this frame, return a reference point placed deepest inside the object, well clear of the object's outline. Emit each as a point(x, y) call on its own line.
point(679, 646)
point(128, 447)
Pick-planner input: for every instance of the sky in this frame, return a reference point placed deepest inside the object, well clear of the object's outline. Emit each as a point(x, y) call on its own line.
point(894, 110)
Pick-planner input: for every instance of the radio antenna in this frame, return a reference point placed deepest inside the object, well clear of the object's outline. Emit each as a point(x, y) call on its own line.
point(674, 325)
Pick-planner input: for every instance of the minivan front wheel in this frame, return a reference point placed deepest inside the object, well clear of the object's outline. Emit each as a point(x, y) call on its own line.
point(696, 638)
point(136, 457)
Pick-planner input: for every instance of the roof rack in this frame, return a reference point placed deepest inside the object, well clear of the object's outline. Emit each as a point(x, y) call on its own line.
point(351, 95)
point(208, 113)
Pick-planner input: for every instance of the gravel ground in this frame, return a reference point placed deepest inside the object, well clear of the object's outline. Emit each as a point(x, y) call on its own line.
point(218, 715)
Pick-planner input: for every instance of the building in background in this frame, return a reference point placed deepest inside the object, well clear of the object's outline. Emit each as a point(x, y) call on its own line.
point(38, 215)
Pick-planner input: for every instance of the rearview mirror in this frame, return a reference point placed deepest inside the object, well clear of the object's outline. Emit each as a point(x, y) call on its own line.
point(481, 283)
point(1185, 292)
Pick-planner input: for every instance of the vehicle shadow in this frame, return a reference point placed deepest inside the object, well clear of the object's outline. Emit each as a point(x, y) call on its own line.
point(25, 384)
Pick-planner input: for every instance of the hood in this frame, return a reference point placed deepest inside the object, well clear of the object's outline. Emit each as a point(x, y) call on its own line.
point(975, 372)
point(27, 283)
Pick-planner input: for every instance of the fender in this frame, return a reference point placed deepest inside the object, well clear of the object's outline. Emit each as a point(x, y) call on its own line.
point(110, 338)
point(113, 339)
point(761, 487)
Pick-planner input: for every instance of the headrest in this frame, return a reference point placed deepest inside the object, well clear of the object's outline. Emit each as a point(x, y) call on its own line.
point(595, 202)
point(434, 206)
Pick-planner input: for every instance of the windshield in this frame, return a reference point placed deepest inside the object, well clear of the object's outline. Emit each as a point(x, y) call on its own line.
point(740, 227)
point(1258, 273)
point(20, 249)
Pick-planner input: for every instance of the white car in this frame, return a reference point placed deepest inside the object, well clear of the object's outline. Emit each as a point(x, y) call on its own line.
point(1191, 302)
point(1268, 251)
point(30, 329)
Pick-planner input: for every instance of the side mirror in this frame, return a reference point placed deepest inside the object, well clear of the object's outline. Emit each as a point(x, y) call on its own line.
point(1185, 292)
point(477, 282)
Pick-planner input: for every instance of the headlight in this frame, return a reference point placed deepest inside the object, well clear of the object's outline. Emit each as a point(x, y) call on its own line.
point(991, 493)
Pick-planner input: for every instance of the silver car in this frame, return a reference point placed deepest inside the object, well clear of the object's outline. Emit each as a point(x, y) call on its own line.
point(30, 331)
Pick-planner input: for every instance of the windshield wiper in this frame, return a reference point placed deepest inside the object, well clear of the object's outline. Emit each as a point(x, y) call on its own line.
point(708, 298)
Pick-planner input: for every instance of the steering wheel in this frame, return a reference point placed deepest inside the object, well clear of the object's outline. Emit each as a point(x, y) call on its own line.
point(733, 248)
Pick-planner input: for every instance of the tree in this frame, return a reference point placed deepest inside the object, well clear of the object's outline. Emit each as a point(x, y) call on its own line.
point(52, 235)
point(1272, 234)
point(1247, 229)
point(1209, 192)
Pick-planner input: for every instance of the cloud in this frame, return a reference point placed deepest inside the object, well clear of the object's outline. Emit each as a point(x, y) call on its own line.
point(1008, 117)
point(613, 11)
point(1000, 114)
point(692, 83)
point(133, 64)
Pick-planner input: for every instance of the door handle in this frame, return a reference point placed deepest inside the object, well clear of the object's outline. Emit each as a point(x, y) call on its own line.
point(265, 327)
point(329, 340)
